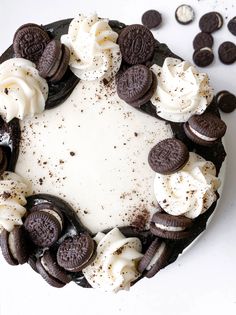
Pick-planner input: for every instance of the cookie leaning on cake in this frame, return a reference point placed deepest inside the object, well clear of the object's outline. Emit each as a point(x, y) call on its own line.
point(44, 230)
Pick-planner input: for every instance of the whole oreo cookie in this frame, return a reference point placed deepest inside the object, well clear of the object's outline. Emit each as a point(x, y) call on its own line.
point(76, 253)
point(205, 129)
point(203, 57)
point(3, 161)
point(227, 53)
point(211, 22)
point(232, 26)
point(202, 40)
point(151, 19)
point(226, 101)
point(171, 227)
point(63, 65)
point(30, 41)
point(14, 245)
point(136, 44)
point(168, 156)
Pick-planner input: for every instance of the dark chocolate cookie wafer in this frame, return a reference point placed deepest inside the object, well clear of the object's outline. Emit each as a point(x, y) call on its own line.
point(76, 253)
point(205, 129)
point(151, 19)
point(30, 41)
point(63, 65)
point(184, 14)
point(203, 57)
point(227, 53)
point(14, 245)
point(232, 25)
point(226, 101)
point(202, 40)
point(137, 44)
point(168, 156)
point(211, 22)
point(3, 161)
point(171, 227)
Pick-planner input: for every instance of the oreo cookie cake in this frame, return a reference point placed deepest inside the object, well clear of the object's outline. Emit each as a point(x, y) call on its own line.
point(110, 152)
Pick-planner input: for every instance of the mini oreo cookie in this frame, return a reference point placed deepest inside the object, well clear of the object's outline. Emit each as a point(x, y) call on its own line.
point(63, 65)
point(51, 272)
point(137, 44)
point(203, 57)
point(184, 14)
point(14, 245)
point(202, 40)
point(227, 53)
point(168, 156)
point(30, 41)
point(77, 252)
point(155, 258)
point(226, 101)
point(205, 129)
point(171, 227)
point(232, 26)
point(3, 161)
point(211, 22)
point(151, 19)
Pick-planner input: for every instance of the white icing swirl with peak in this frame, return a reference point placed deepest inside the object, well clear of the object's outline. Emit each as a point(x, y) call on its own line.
point(190, 191)
point(94, 52)
point(13, 190)
point(181, 91)
point(22, 91)
point(115, 266)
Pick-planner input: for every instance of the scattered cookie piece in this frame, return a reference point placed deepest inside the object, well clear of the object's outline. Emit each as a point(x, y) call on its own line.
point(202, 40)
point(3, 160)
point(136, 44)
point(151, 19)
point(30, 41)
point(226, 101)
point(14, 245)
point(205, 129)
point(75, 253)
point(227, 53)
point(171, 227)
point(168, 156)
point(184, 14)
point(232, 26)
point(203, 57)
point(211, 22)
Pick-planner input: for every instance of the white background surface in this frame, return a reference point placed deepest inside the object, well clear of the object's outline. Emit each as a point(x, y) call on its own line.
point(203, 281)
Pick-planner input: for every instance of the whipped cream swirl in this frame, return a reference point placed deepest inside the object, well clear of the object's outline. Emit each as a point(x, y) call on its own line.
point(94, 52)
point(181, 92)
point(190, 191)
point(13, 190)
point(22, 91)
point(115, 266)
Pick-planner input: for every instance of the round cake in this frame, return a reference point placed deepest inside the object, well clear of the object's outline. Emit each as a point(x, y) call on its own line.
point(110, 150)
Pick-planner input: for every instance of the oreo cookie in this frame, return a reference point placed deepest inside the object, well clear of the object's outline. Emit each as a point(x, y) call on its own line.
point(77, 252)
point(14, 245)
point(168, 156)
point(227, 53)
point(3, 160)
point(30, 41)
point(155, 258)
point(232, 26)
point(136, 85)
point(205, 129)
point(226, 101)
point(151, 19)
point(184, 14)
point(137, 44)
point(171, 227)
point(51, 272)
point(211, 22)
point(44, 225)
point(202, 40)
point(63, 65)
point(203, 57)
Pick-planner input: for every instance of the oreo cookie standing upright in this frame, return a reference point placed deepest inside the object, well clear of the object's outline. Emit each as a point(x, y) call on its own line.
point(226, 101)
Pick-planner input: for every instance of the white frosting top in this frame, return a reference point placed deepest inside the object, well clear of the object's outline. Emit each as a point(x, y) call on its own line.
point(115, 266)
point(190, 191)
point(92, 151)
point(13, 190)
point(181, 91)
point(94, 52)
point(22, 91)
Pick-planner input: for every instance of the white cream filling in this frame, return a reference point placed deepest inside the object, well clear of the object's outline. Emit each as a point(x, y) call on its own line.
point(157, 256)
point(169, 228)
point(56, 215)
point(44, 264)
point(201, 136)
point(185, 13)
point(206, 48)
point(12, 245)
point(220, 21)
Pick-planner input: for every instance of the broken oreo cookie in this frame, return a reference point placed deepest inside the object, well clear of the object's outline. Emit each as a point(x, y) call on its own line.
point(211, 22)
point(226, 101)
point(227, 53)
point(203, 57)
point(151, 19)
point(184, 14)
point(202, 40)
